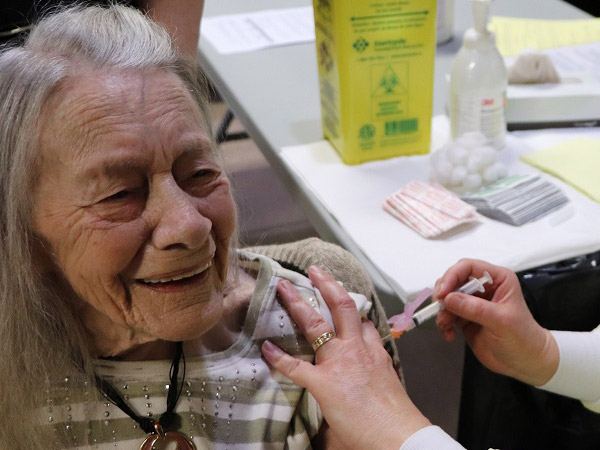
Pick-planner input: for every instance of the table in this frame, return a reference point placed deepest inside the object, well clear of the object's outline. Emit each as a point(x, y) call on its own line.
point(275, 95)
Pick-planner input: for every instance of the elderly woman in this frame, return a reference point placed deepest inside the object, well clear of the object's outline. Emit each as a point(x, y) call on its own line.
point(116, 257)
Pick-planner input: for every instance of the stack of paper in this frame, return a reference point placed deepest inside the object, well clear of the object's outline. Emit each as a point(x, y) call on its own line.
point(429, 209)
point(516, 34)
point(518, 199)
point(575, 161)
point(235, 33)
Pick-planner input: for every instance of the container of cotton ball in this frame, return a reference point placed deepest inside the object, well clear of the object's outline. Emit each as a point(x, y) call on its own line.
point(467, 164)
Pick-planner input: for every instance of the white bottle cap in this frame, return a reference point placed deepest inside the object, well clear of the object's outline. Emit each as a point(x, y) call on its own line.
point(481, 11)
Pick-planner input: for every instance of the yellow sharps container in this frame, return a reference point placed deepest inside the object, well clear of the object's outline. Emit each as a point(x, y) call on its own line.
point(376, 76)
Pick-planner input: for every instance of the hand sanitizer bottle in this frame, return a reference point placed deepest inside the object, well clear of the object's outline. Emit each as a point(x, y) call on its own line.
point(478, 82)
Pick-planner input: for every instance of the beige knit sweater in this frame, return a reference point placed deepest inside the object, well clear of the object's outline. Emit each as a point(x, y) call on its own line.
point(342, 266)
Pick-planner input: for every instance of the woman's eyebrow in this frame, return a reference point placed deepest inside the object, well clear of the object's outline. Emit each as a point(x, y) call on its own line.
point(194, 147)
point(111, 168)
point(118, 166)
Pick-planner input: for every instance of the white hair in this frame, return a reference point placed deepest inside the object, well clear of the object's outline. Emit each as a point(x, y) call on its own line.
point(41, 339)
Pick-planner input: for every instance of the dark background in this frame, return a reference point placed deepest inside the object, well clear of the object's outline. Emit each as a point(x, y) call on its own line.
point(590, 6)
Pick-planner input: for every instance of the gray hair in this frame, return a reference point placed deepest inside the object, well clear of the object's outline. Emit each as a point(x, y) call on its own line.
point(41, 339)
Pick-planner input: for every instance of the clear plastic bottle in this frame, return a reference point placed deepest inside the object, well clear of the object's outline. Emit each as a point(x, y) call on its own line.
point(478, 82)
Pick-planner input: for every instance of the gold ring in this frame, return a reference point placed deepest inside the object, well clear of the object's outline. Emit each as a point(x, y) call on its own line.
point(325, 337)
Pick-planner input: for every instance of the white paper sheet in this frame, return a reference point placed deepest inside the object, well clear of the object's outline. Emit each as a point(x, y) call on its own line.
point(577, 58)
point(237, 33)
point(353, 195)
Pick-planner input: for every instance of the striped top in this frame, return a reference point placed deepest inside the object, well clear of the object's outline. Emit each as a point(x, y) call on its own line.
point(230, 400)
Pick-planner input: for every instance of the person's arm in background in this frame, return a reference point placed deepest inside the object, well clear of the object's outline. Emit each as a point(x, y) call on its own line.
point(506, 339)
point(181, 18)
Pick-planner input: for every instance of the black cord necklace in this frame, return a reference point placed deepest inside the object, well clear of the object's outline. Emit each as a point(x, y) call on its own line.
point(158, 436)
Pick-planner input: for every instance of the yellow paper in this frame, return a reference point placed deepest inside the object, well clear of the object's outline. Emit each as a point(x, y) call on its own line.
point(515, 34)
point(576, 162)
point(376, 76)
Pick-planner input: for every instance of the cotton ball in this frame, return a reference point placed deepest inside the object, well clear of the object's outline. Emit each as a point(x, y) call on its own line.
point(475, 163)
point(440, 154)
point(467, 142)
point(501, 169)
point(471, 140)
point(472, 182)
point(442, 170)
point(491, 174)
point(457, 155)
point(458, 175)
point(488, 155)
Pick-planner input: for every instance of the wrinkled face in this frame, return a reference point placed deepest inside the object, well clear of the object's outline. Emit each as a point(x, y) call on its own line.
point(133, 208)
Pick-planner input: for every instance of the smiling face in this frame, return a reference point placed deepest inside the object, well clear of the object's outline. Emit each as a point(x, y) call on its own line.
point(133, 208)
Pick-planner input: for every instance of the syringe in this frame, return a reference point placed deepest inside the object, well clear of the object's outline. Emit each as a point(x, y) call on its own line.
point(400, 324)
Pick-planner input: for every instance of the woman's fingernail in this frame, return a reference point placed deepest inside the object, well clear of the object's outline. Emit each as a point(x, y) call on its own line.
point(285, 286)
point(454, 297)
point(316, 271)
point(441, 287)
point(270, 350)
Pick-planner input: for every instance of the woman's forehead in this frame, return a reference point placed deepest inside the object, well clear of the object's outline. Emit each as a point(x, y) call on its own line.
point(96, 94)
point(103, 105)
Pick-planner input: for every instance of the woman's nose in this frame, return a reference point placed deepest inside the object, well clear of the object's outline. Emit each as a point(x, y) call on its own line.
point(179, 222)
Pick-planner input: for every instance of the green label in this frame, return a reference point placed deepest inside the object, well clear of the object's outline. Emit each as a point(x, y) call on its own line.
point(367, 132)
point(396, 127)
point(360, 45)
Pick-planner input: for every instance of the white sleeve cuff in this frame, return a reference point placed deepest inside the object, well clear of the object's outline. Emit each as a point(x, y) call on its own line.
point(431, 438)
point(578, 373)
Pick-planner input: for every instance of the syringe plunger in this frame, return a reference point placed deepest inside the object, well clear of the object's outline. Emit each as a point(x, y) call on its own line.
point(470, 287)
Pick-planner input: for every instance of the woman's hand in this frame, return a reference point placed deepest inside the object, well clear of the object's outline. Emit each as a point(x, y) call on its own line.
point(499, 327)
point(353, 380)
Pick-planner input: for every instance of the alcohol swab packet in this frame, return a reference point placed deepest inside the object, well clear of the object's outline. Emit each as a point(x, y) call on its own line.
point(413, 218)
point(429, 209)
point(439, 198)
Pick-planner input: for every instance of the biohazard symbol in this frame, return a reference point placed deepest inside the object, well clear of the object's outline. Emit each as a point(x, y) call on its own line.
point(389, 81)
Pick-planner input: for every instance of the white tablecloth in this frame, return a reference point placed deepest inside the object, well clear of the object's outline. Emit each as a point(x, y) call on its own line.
point(354, 194)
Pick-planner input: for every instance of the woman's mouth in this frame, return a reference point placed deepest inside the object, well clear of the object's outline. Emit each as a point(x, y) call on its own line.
point(179, 280)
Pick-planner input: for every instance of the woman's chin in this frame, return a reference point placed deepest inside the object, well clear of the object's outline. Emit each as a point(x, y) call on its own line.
point(191, 324)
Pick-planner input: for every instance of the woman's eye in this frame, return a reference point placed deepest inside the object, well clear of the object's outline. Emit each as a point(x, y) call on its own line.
point(202, 173)
point(122, 205)
point(118, 196)
point(200, 181)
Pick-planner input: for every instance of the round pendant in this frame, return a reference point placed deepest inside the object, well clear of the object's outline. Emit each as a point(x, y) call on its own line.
point(171, 440)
